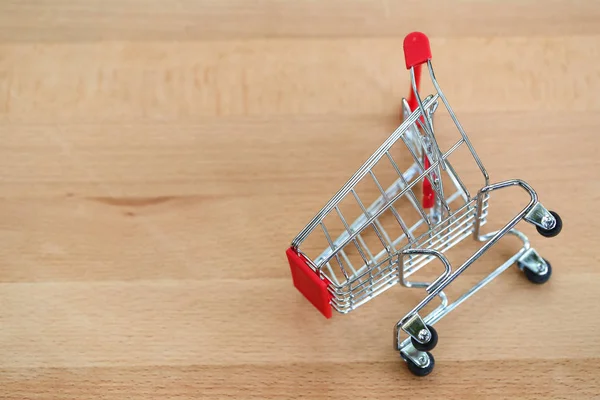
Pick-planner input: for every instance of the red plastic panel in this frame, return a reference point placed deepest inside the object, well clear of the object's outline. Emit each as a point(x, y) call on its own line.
point(309, 284)
point(416, 49)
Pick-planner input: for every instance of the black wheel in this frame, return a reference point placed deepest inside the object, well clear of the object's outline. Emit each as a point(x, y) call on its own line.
point(537, 278)
point(430, 345)
point(421, 371)
point(554, 231)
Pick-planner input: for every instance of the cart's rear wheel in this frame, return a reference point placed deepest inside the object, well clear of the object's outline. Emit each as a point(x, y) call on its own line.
point(430, 344)
point(534, 277)
point(421, 371)
point(554, 231)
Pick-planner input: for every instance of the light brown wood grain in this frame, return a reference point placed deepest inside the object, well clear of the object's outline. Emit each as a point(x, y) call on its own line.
point(166, 81)
point(56, 20)
point(157, 158)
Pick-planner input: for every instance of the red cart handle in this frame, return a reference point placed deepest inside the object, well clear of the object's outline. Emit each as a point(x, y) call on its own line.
point(416, 49)
point(416, 52)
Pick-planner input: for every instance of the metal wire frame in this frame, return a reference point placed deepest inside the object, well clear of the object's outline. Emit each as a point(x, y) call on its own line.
point(388, 203)
point(386, 272)
point(384, 203)
point(353, 285)
point(402, 256)
point(363, 170)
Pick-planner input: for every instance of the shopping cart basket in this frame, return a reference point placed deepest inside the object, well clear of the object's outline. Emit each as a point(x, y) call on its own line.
point(377, 248)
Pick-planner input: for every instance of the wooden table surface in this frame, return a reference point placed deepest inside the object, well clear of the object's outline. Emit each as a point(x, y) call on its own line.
point(157, 158)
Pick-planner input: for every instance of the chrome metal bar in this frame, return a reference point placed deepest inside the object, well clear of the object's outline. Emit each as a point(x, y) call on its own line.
point(337, 257)
point(457, 123)
point(490, 188)
point(428, 128)
point(366, 248)
point(419, 223)
point(457, 181)
point(411, 195)
point(461, 219)
point(333, 275)
point(357, 225)
point(510, 225)
point(348, 262)
point(362, 171)
point(397, 196)
point(377, 227)
point(391, 206)
point(441, 311)
point(362, 255)
point(430, 252)
point(434, 164)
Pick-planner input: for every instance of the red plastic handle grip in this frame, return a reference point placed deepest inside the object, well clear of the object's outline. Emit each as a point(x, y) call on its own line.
point(416, 49)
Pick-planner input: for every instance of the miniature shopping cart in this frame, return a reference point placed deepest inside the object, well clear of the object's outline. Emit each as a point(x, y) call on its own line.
point(356, 247)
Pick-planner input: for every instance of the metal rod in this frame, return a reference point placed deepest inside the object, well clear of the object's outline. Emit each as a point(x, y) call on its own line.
point(363, 170)
point(397, 196)
point(411, 195)
point(510, 225)
point(457, 123)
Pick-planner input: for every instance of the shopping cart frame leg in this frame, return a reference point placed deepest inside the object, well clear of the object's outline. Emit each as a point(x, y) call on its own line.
point(533, 261)
point(441, 285)
point(526, 258)
point(406, 347)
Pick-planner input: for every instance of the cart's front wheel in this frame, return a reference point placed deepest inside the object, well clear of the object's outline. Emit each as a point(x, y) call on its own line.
point(431, 341)
point(554, 231)
point(421, 371)
point(535, 277)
